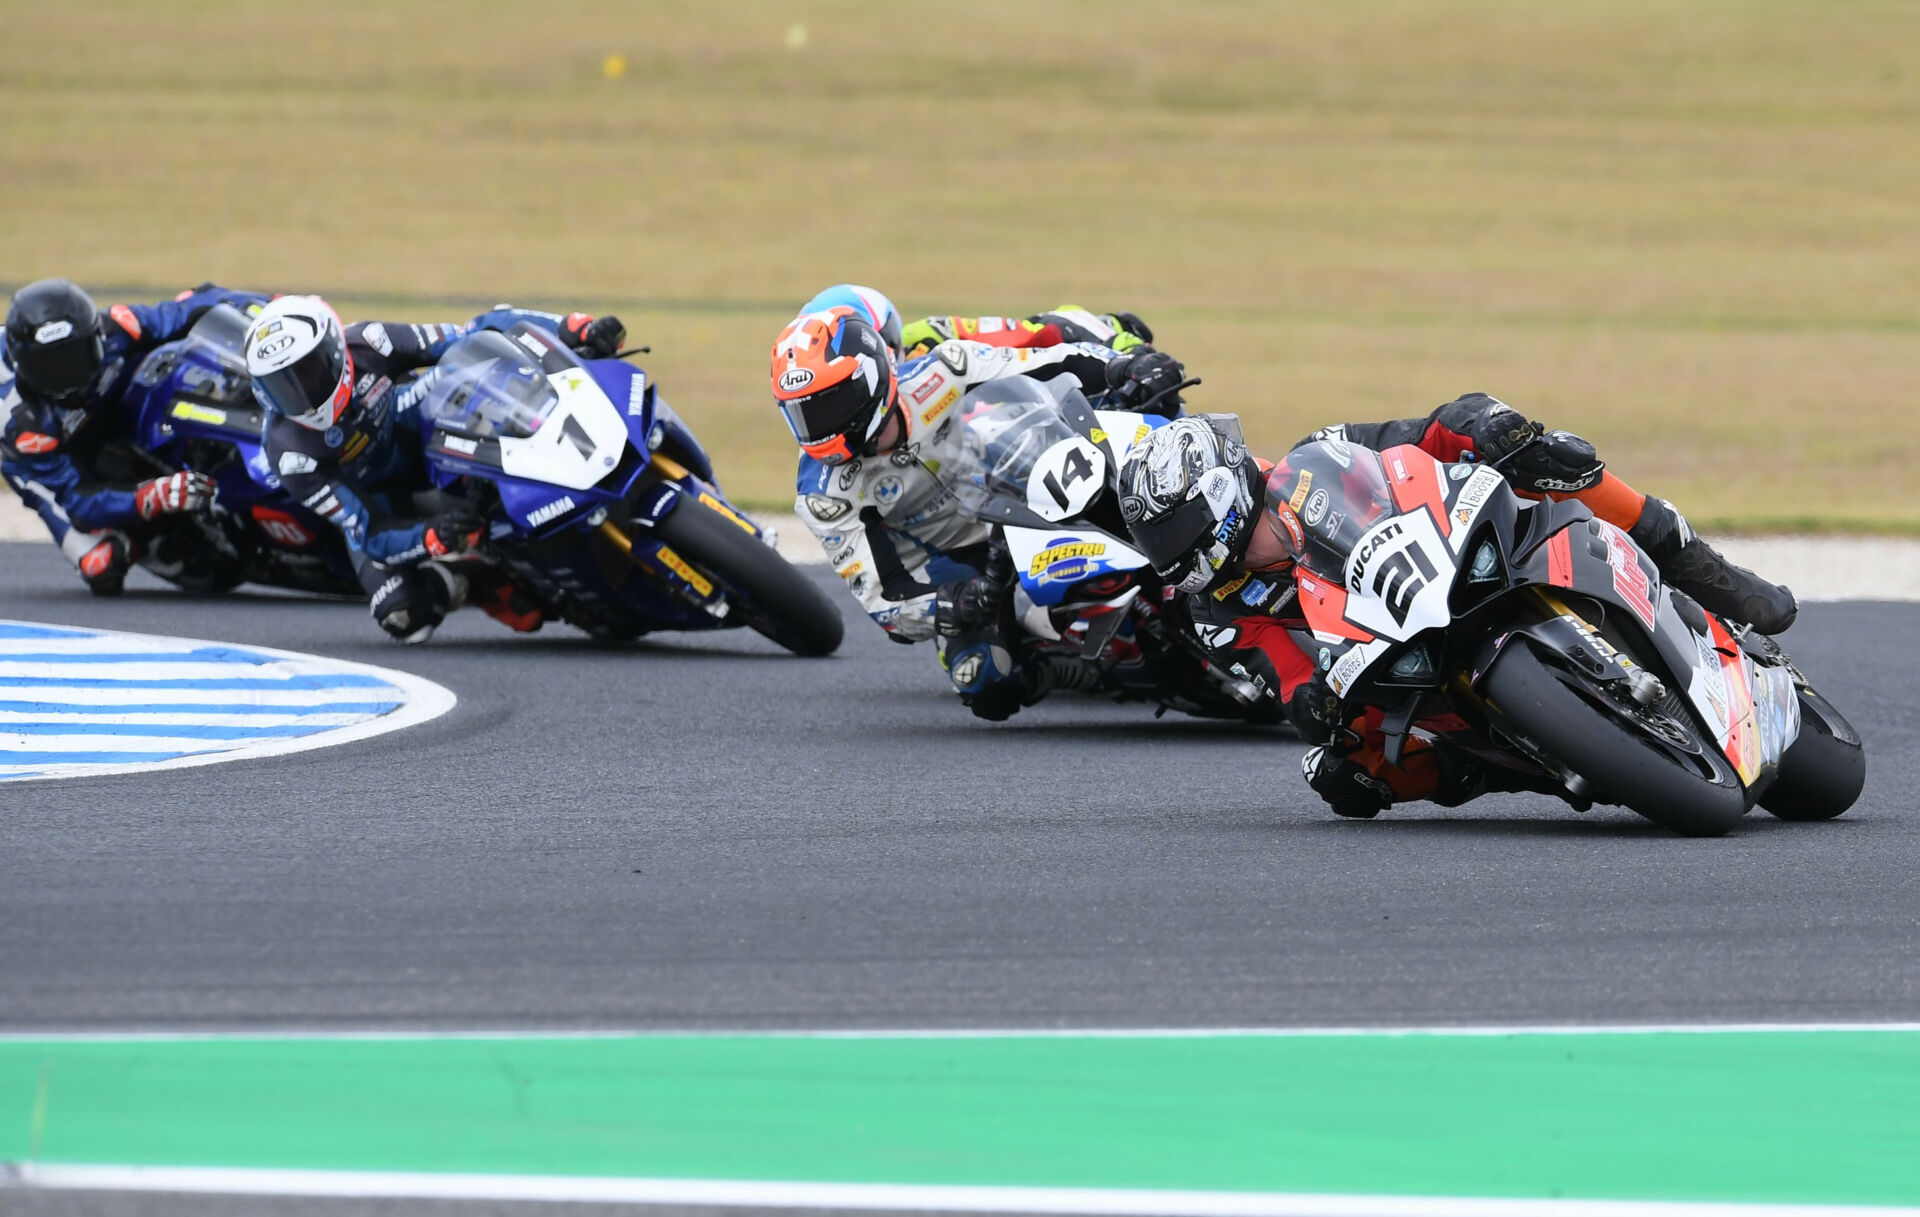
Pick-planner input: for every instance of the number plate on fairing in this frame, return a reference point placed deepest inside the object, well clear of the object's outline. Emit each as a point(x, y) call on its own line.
point(1065, 479)
point(1398, 577)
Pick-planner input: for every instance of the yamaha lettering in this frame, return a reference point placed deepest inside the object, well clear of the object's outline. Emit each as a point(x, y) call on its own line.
point(551, 511)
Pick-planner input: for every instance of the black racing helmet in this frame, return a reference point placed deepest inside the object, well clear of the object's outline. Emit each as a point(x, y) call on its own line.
point(53, 339)
point(1190, 493)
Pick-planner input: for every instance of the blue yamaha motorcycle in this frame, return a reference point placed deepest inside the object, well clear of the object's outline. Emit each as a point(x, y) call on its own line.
point(191, 406)
point(601, 504)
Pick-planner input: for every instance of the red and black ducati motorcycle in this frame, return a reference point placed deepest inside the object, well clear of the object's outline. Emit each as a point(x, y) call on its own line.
point(1537, 637)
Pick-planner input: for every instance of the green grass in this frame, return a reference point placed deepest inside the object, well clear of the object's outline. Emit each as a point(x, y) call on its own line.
point(1684, 228)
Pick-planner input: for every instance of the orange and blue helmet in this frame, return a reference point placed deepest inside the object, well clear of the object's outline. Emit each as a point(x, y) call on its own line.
point(834, 382)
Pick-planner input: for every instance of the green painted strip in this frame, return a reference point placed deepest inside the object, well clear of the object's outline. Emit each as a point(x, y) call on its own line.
point(1782, 1117)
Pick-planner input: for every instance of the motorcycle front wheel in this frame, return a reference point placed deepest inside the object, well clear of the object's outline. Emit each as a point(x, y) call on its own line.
point(771, 595)
point(1665, 770)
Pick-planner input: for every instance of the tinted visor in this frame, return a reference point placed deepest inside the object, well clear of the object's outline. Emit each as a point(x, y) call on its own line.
point(839, 410)
point(1171, 540)
point(58, 369)
point(305, 385)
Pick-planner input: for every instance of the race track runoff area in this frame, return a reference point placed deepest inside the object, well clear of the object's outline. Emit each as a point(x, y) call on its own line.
point(1626, 1121)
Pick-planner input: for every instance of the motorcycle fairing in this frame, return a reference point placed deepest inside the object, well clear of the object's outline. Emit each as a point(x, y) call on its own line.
point(1444, 519)
point(1050, 563)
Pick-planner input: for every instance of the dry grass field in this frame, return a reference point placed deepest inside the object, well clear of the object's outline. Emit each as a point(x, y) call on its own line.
point(1688, 228)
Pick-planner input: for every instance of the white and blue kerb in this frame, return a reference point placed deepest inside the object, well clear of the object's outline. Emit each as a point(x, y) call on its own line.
point(77, 702)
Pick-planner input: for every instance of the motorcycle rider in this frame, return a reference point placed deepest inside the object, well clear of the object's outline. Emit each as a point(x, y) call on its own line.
point(343, 436)
point(66, 370)
point(873, 439)
point(1121, 331)
point(1217, 524)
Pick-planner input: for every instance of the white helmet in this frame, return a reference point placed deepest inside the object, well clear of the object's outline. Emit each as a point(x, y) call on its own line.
point(297, 357)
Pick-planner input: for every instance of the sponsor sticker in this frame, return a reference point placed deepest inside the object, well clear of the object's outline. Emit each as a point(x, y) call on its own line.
point(1316, 510)
point(795, 379)
point(1301, 490)
point(53, 331)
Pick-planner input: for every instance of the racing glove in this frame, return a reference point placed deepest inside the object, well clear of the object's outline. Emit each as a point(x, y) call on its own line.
point(453, 533)
point(594, 337)
point(1315, 713)
point(1527, 454)
point(966, 605)
point(1146, 382)
point(175, 493)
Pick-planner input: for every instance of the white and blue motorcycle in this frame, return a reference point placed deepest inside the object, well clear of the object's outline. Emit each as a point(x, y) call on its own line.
point(1041, 464)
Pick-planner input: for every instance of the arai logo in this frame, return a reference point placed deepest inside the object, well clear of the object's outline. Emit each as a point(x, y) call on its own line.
point(795, 379)
point(53, 331)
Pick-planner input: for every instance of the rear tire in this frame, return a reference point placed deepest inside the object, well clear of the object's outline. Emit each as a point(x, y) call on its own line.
point(772, 597)
point(1824, 769)
point(1602, 750)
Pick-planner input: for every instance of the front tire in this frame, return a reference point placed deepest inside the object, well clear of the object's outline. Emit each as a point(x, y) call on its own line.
point(1622, 767)
point(1824, 769)
point(770, 594)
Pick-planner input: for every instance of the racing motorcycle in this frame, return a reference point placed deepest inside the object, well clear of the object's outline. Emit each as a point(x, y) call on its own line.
point(192, 408)
point(1041, 464)
point(1540, 638)
point(601, 504)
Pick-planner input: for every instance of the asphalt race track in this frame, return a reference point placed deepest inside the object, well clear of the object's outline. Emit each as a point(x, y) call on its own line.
point(706, 833)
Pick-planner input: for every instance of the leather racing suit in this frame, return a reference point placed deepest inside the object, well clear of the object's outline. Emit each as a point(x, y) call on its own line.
point(70, 465)
point(1246, 620)
point(890, 525)
point(361, 474)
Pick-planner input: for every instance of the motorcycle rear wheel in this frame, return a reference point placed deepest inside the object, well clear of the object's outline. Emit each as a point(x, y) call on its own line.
point(1621, 766)
point(773, 597)
point(1824, 769)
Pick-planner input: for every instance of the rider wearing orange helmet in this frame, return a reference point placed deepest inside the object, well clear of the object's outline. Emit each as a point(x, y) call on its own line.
point(874, 439)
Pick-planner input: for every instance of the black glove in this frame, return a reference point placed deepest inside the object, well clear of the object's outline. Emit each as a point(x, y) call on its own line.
point(1530, 456)
point(967, 605)
point(594, 337)
point(454, 532)
point(1146, 382)
point(1343, 784)
point(1314, 711)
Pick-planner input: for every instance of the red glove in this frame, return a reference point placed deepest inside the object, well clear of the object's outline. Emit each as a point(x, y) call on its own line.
point(174, 493)
point(594, 337)
point(456, 532)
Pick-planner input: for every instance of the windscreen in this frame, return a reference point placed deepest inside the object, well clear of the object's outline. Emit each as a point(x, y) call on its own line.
point(485, 386)
point(1339, 491)
point(1008, 424)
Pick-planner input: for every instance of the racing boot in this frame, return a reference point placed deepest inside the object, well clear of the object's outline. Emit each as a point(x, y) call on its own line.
point(1696, 568)
point(511, 607)
point(105, 565)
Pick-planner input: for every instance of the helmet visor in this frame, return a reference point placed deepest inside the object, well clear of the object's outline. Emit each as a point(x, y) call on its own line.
point(1175, 538)
point(838, 410)
point(307, 385)
point(59, 369)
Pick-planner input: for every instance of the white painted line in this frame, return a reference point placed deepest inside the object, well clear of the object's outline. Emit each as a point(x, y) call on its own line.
point(1123, 1202)
point(404, 1034)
